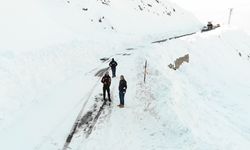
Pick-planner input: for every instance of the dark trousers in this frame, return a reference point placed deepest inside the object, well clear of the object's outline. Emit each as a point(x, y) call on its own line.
point(113, 71)
point(121, 96)
point(106, 88)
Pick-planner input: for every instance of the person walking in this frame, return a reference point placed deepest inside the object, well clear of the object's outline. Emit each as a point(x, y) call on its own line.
point(113, 65)
point(122, 90)
point(106, 80)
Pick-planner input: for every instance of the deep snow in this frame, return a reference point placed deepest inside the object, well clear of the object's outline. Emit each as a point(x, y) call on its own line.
point(50, 52)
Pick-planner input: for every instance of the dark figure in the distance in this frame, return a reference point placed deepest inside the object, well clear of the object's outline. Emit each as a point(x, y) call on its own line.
point(113, 65)
point(122, 90)
point(209, 25)
point(106, 80)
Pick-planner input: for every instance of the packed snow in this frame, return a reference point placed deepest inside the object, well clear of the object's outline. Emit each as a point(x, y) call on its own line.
point(51, 52)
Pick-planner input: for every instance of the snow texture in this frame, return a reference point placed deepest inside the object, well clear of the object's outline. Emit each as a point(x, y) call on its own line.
point(53, 54)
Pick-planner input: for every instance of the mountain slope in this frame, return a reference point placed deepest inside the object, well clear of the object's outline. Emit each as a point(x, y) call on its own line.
point(48, 76)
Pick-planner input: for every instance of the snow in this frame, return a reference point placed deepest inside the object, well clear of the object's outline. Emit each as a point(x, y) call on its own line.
point(210, 101)
point(218, 11)
point(50, 52)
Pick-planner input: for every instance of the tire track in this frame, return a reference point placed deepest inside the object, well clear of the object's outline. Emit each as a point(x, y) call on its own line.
point(79, 116)
point(175, 37)
point(105, 103)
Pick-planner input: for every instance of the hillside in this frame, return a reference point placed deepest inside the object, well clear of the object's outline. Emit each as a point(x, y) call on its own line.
point(52, 53)
point(218, 12)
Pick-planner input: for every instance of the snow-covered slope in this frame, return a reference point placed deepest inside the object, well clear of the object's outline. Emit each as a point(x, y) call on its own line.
point(218, 11)
point(32, 24)
point(208, 97)
point(51, 51)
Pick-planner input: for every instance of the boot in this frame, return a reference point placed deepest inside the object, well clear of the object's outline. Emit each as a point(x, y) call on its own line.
point(121, 106)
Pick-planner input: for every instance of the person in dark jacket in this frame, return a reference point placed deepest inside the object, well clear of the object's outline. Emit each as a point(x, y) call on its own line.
point(209, 25)
point(106, 80)
point(113, 65)
point(122, 90)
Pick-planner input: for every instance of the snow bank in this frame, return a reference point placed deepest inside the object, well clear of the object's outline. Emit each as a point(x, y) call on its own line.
point(207, 97)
